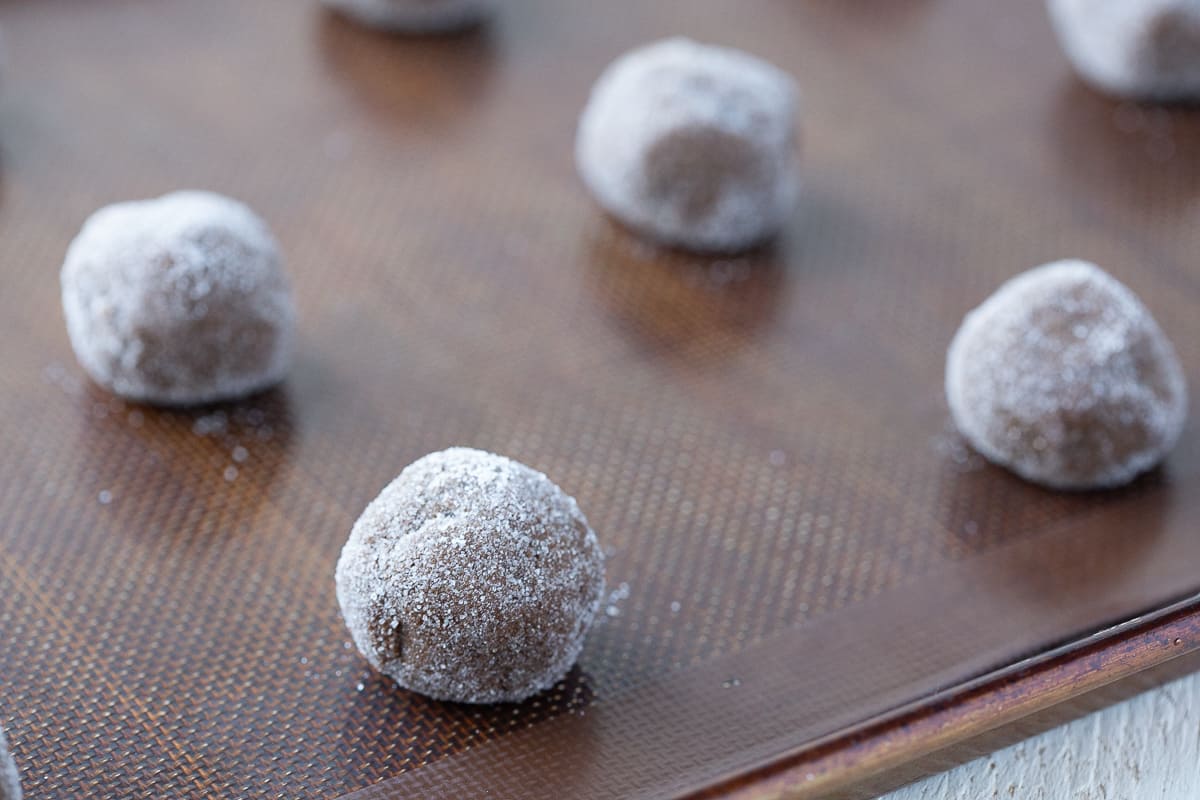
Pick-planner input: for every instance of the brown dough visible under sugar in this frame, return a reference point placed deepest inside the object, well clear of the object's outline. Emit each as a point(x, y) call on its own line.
point(179, 300)
point(692, 145)
point(414, 16)
point(1065, 378)
point(471, 578)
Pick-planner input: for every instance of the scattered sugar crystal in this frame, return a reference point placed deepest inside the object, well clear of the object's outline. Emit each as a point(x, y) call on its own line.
point(1060, 410)
point(216, 422)
point(231, 473)
point(676, 606)
point(179, 300)
point(723, 273)
point(10, 778)
point(57, 375)
point(1145, 49)
point(471, 578)
point(693, 146)
point(54, 373)
point(105, 497)
point(240, 454)
point(414, 16)
point(951, 446)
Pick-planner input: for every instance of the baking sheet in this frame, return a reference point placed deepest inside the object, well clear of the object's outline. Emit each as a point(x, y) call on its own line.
point(797, 540)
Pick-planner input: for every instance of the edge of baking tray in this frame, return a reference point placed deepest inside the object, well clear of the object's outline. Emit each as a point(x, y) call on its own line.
point(984, 714)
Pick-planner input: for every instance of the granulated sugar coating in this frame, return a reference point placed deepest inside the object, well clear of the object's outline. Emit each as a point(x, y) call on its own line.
point(1064, 377)
point(1145, 49)
point(414, 16)
point(10, 779)
point(692, 145)
point(179, 300)
point(471, 578)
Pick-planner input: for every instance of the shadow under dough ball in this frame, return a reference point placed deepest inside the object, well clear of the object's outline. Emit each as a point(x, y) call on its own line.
point(1065, 378)
point(692, 145)
point(10, 779)
point(471, 578)
point(178, 301)
point(1141, 49)
point(414, 16)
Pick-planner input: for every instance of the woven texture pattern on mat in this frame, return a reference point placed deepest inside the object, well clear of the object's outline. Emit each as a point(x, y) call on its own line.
point(759, 441)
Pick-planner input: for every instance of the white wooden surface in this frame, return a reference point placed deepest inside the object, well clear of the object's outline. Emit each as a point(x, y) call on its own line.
point(1147, 748)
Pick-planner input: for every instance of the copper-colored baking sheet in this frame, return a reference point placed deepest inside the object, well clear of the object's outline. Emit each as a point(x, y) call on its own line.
point(814, 582)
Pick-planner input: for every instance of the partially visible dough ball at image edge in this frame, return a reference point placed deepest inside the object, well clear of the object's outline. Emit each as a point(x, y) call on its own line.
point(471, 578)
point(1138, 49)
point(692, 145)
point(1064, 377)
point(179, 300)
point(414, 16)
point(10, 778)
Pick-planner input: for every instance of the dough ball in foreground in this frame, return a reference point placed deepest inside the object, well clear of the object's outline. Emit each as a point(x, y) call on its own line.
point(692, 145)
point(1064, 377)
point(414, 16)
point(10, 779)
point(179, 300)
point(1141, 49)
point(471, 578)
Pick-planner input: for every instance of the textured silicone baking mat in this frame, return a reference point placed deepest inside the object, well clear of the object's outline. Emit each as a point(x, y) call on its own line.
point(797, 540)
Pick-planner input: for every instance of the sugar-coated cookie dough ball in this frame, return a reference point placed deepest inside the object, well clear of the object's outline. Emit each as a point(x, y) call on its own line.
point(471, 578)
point(1064, 377)
point(1142, 49)
point(414, 16)
point(692, 145)
point(10, 779)
point(179, 300)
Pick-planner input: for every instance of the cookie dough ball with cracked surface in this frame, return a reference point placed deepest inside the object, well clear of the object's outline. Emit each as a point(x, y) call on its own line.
point(179, 300)
point(1141, 49)
point(692, 145)
point(414, 16)
point(471, 578)
point(1064, 377)
point(10, 778)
